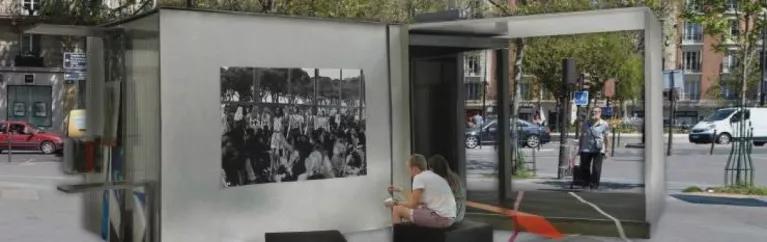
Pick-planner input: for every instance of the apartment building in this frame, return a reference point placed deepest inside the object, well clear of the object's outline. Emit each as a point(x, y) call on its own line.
point(704, 67)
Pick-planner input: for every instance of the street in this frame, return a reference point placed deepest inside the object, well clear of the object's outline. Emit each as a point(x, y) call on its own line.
point(33, 210)
point(689, 165)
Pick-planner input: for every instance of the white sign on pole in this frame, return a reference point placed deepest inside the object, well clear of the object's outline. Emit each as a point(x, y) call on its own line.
point(75, 61)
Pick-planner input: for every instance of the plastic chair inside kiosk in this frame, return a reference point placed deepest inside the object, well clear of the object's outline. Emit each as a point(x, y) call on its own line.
point(436, 49)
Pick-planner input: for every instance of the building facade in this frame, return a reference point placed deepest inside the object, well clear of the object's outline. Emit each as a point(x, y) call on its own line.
point(704, 67)
point(32, 78)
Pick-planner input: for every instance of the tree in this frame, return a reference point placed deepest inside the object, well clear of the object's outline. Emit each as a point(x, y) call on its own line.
point(737, 25)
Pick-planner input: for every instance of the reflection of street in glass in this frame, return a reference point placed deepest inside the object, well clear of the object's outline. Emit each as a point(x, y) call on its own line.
point(620, 173)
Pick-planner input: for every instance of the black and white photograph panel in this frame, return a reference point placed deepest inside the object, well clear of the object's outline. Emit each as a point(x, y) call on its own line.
point(291, 124)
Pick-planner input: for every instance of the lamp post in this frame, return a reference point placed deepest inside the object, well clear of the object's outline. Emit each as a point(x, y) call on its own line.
point(763, 62)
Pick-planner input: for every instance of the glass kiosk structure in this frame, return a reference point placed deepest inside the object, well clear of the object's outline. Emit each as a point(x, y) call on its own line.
point(154, 93)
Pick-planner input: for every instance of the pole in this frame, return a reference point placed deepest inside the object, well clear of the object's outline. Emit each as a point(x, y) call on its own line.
point(763, 87)
point(8, 131)
point(563, 126)
point(671, 115)
point(612, 152)
point(713, 141)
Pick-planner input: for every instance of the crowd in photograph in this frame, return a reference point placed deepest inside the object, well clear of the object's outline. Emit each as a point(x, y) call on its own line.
point(266, 143)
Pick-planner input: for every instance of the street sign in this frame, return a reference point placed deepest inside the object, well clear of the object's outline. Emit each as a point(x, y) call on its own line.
point(75, 61)
point(74, 76)
point(607, 111)
point(582, 98)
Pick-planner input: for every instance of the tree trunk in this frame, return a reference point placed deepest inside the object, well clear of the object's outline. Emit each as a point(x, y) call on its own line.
point(519, 48)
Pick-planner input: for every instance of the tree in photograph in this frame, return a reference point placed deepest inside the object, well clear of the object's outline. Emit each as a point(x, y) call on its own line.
point(236, 83)
point(273, 83)
point(737, 25)
point(301, 86)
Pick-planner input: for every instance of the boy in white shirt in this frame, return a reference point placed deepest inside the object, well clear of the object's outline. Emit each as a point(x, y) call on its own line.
point(431, 203)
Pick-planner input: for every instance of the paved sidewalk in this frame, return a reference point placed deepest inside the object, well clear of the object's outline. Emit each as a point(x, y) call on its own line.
point(31, 209)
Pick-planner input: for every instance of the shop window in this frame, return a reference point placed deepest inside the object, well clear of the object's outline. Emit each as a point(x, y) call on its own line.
point(40, 110)
point(19, 109)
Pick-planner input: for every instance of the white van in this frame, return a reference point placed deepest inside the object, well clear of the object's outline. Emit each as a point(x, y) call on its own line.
point(725, 122)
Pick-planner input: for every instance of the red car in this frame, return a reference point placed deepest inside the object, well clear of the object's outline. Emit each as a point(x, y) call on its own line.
point(25, 136)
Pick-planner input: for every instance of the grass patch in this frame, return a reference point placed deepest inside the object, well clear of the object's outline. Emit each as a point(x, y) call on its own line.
point(742, 190)
point(523, 174)
point(692, 189)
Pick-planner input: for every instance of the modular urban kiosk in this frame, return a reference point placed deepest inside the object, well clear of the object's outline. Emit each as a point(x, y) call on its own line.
point(224, 126)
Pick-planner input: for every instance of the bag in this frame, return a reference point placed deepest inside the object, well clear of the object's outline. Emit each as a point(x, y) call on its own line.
point(579, 177)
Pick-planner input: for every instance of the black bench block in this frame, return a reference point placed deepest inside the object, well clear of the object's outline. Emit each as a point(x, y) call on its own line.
point(466, 231)
point(309, 236)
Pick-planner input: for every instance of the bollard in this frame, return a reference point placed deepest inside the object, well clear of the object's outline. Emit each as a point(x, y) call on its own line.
point(713, 141)
point(8, 135)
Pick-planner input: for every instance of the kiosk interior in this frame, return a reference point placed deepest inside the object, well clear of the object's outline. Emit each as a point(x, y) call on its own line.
point(179, 93)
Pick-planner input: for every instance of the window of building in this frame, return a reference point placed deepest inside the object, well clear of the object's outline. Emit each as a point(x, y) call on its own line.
point(30, 44)
point(693, 32)
point(692, 5)
point(731, 4)
point(474, 90)
point(526, 90)
point(728, 63)
point(734, 28)
point(473, 64)
point(691, 60)
point(692, 88)
point(30, 7)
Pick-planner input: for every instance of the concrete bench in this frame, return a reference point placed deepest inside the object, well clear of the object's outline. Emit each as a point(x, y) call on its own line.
point(466, 231)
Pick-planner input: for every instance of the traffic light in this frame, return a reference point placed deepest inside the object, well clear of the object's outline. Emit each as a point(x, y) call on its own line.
point(569, 74)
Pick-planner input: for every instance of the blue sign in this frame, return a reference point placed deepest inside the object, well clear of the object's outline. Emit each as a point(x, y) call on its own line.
point(607, 111)
point(582, 98)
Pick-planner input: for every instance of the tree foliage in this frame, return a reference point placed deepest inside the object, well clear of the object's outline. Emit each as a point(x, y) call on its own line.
point(604, 56)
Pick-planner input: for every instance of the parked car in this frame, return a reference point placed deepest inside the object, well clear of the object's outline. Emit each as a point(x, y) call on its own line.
point(25, 136)
point(530, 135)
point(726, 122)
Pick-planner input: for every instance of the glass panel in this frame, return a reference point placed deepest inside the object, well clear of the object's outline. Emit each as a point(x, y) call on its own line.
point(589, 160)
point(481, 137)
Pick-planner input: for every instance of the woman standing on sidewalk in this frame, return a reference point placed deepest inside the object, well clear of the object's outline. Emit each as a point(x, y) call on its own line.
point(593, 144)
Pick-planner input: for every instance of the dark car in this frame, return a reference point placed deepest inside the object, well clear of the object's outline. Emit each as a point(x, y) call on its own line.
point(530, 135)
point(25, 136)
